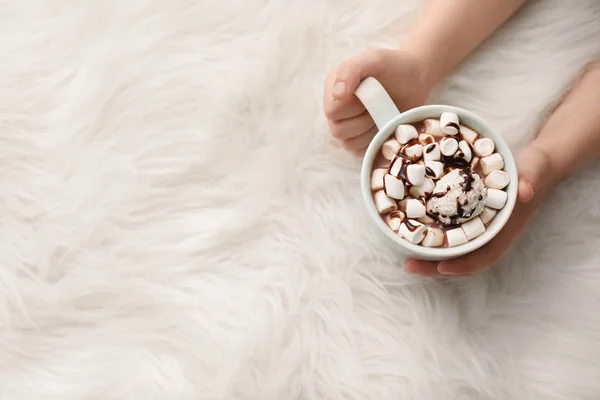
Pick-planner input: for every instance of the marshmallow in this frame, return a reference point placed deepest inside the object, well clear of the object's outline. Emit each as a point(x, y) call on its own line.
point(431, 152)
point(468, 134)
point(434, 169)
point(393, 187)
point(464, 151)
point(422, 190)
point(406, 133)
point(390, 149)
point(496, 198)
point(449, 123)
point(383, 203)
point(432, 127)
point(484, 147)
point(448, 146)
point(425, 139)
point(377, 178)
point(492, 163)
point(394, 219)
point(415, 209)
point(415, 174)
point(497, 179)
point(433, 238)
point(412, 230)
point(473, 228)
point(414, 152)
point(426, 220)
point(456, 237)
point(487, 215)
point(474, 163)
point(396, 166)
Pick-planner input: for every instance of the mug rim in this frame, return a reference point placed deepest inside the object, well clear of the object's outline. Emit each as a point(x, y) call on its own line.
point(485, 130)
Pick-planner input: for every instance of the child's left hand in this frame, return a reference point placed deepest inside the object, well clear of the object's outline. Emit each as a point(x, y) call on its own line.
point(535, 177)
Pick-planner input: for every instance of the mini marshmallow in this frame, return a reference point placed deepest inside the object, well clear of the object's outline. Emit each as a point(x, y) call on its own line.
point(377, 178)
point(468, 134)
point(426, 220)
point(425, 139)
point(484, 147)
point(431, 152)
point(390, 149)
point(456, 237)
point(396, 166)
point(383, 203)
point(406, 133)
point(497, 179)
point(487, 215)
point(448, 146)
point(393, 187)
point(413, 234)
point(492, 163)
point(415, 209)
point(473, 228)
point(449, 123)
point(394, 219)
point(414, 152)
point(474, 162)
point(496, 198)
point(415, 174)
point(432, 127)
point(464, 151)
point(434, 169)
point(423, 190)
point(433, 238)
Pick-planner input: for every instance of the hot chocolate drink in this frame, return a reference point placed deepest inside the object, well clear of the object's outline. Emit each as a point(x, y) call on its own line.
point(438, 183)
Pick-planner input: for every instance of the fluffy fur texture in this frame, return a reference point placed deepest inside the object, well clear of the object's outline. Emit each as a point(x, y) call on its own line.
point(176, 222)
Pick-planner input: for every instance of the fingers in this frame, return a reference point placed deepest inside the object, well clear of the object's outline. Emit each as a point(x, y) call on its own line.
point(358, 145)
point(423, 268)
point(336, 104)
point(480, 258)
point(337, 110)
point(339, 101)
point(533, 164)
point(525, 191)
point(349, 128)
point(352, 72)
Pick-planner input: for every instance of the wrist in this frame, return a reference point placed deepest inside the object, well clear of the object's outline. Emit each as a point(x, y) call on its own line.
point(427, 43)
point(430, 69)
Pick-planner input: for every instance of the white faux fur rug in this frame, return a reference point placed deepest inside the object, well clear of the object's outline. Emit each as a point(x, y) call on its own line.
point(176, 223)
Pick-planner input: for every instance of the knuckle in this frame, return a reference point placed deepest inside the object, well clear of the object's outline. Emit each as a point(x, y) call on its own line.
point(336, 132)
point(330, 110)
point(374, 56)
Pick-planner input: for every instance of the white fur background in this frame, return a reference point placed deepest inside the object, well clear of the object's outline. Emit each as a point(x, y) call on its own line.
point(175, 222)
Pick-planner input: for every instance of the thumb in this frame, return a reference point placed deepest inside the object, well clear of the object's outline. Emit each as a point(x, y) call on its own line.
point(352, 72)
point(533, 164)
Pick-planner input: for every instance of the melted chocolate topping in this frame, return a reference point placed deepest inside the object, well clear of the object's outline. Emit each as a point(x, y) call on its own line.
point(410, 226)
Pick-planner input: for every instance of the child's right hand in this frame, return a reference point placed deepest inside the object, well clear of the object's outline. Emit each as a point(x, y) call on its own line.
point(404, 76)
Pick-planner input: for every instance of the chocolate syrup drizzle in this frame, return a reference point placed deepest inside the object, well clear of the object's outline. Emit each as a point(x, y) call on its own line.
point(410, 226)
point(450, 163)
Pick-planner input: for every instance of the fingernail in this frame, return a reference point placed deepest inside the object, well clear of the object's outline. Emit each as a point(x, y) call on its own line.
point(444, 271)
point(530, 189)
point(339, 89)
point(528, 195)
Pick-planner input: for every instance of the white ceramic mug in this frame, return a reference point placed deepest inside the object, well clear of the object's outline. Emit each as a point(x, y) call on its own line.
point(387, 117)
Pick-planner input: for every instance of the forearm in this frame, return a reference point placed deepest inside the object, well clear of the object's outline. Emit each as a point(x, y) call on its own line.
point(449, 30)
point(571, 136)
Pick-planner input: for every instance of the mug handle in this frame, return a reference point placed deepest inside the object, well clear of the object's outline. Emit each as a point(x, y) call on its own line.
point(377, 101)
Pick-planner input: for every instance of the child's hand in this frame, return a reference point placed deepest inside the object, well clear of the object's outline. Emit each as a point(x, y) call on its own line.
point(404, 76)
point(535, 175)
